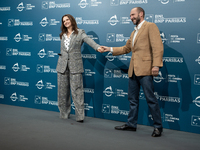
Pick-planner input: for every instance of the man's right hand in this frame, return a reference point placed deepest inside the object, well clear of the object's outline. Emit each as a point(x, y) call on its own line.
point(104, 49)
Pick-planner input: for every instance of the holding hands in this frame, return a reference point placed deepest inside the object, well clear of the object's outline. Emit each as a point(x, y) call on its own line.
point(103, 49)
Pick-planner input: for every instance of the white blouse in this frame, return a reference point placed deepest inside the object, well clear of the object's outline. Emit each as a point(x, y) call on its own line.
point(67, 40)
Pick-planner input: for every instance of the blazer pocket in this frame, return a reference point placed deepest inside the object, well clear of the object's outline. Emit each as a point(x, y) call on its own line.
point(146, 58)
point(77, 56)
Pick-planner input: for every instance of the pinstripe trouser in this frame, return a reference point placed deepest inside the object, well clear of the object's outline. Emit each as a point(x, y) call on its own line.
point(74, 82)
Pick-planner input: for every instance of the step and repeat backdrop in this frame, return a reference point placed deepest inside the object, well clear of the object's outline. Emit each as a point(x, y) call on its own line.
point(29, 43)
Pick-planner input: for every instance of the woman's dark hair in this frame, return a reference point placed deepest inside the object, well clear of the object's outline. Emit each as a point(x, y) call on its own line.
point(73, 22)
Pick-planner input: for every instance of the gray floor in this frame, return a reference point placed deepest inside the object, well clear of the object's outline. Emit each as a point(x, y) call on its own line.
point(32, 129)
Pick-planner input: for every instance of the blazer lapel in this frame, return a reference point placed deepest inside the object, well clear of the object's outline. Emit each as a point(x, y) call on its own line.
point(72, 41)
point(140, 31)
point(132, 38)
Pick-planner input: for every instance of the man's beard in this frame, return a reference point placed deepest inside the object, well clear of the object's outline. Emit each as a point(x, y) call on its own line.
point(137, 21)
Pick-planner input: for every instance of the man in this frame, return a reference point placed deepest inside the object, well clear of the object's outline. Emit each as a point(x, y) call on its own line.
point(147, 52)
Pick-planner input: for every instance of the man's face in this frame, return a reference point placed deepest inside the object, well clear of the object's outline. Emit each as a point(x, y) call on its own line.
point(135, 16)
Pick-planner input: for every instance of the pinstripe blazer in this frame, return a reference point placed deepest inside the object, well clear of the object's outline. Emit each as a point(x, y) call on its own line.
point(72, 58)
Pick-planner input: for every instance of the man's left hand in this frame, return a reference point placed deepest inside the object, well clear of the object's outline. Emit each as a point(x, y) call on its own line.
point(155, 71)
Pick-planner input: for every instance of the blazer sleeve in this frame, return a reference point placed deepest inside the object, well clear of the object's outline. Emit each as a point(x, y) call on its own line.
point(124, 49)
point(88, 40)
point(156, 45)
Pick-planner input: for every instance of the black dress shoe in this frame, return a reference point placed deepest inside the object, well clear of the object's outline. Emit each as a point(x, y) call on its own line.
point(81, 121)
point(125, 127)
point(157, 132)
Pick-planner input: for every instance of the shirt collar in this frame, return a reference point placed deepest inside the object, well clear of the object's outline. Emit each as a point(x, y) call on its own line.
point(69, 36)
point(139, 26)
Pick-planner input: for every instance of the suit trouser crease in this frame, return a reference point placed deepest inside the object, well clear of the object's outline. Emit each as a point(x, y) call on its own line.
point(133, 96)
point(67, 81)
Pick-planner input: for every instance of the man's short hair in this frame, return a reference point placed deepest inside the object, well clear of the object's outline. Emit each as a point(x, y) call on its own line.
point(140, 9)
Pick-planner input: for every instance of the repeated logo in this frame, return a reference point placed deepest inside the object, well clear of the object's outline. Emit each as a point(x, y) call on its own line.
point(17, 22)
point(52, 5)
point(16, 67)
point(5, 9)
point(167, 1)
point(149, 17)
point(2, 67)
point(86, 106)
point(113, 20)
point(169, 78)
point(22, 7)
point(15, 52)
point(167, 98)
point(93, 37)
point(160, 19)
point(173, 78)
point(197, 101)
point(124, 57)
point(197, 79)
point(25, 38)
point(48, 85)
point(118, 92)
point(119, 74)
point(167, 118)
point(106, 108)
point(3, 38)
point(173, 59)
point(89, 56)
point(113, 73)
point(195, 121)
point(112, 37)
point(175, 39)
point(163, 37)
point(198, 60)
point(44, 22)
point(159, 78)
point(1, 96)
point(164, 1)
point(89, 90)
point(84, 4)
point(198, 38)
point(42, 37)
point(127, 2)
point(89, 73)
point(44, 69)
point(13, 81)
point(117, 111)
point(79, 20)
point(44, 100)
point(21, 98)
point(170, 118)
point(108, 91)
point(110, 57)
point(42, 53)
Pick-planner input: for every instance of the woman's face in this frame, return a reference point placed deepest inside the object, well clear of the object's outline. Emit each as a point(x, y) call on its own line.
point(67, 23)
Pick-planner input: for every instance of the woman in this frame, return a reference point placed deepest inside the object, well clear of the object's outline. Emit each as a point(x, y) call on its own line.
point(70, 68)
